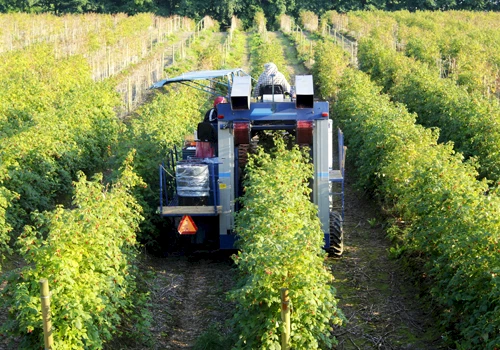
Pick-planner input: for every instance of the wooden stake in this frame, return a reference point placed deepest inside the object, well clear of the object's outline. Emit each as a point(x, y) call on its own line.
point(47, 320)
point(285, 317)
point(310, 52)
point(129, 95)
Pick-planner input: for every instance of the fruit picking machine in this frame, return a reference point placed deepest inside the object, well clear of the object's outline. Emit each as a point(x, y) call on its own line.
point(202, 183)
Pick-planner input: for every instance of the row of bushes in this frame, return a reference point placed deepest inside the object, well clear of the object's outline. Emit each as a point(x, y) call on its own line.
point(280, 242)
point(442, 213)
point(236, 50)
point(460, 45)
point(86, 252)
point(55, 121)
point(471, 121)
point(60, 128)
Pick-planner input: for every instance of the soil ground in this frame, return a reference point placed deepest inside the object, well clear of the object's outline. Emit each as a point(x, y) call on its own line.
point(12, 263)
point(188, 296)
point(377, 295)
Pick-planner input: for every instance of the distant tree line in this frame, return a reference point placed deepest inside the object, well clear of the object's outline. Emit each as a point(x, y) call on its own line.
point(222, 10)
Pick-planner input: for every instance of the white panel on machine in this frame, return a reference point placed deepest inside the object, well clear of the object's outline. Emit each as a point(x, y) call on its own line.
point(241, 92)
point(321, 185)
point(226, 178)
point(330, 144)
point(273, 98)
point(304, 91)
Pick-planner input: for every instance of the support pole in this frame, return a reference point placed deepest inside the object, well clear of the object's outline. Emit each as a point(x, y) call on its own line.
point(311, 53)
point(129, 95)
point(47, 320)
point(285, 317)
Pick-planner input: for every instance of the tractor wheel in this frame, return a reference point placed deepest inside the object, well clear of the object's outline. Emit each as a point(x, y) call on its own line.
point(336, 234)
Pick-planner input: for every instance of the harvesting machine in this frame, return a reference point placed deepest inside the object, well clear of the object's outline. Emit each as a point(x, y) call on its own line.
point(200, 184)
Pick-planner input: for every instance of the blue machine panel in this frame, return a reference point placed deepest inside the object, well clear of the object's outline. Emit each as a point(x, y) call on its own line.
point(227, 241)
point(267, 111)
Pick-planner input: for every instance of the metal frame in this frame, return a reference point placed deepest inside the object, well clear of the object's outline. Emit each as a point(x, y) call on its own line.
point(321, 186)
point(189, 79)
point(264, 116)
point(260, 116)
point(226, 152)
point(339, 175)
point(269, 111)
point(164, 199)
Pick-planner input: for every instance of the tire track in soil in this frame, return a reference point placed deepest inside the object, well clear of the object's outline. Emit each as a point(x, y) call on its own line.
point(379, 299)
point(187, 314)
point(188, 296)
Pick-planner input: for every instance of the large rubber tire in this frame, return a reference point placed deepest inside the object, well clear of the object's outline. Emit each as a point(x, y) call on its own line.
point(336, 234)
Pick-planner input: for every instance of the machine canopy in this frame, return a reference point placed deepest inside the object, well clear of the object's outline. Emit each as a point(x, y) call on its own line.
point(219, 81)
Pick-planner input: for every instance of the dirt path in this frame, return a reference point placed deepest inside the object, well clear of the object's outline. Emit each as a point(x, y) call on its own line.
point(294, 67)
point(10, 264)
point(187, 299)
point(245, 62)
point(188, 296)
point(376, 295)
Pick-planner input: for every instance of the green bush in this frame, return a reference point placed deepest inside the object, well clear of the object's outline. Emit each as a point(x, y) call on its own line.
point(56, 103)
point(281, 242)
point(449, 218)
point(470, 120)
point(87, 255)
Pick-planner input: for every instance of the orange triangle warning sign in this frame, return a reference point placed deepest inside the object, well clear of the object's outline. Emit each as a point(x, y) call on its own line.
point(187, 226)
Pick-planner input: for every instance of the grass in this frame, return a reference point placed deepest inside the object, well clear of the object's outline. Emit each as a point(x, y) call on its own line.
point(212, 339)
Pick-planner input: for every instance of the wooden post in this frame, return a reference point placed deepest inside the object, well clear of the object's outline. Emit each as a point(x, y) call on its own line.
point(129, 95)
point(352, 52)
point(47, 321)
point(310, 52)
point(108, 51)
point(150, 73)
point(285, 317)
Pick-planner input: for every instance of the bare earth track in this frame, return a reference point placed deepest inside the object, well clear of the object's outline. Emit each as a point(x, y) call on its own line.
point(376, 295)
point(188, 297)
point(200, 302)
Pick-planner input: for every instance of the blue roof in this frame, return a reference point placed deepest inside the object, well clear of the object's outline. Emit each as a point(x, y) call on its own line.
point(200, 75)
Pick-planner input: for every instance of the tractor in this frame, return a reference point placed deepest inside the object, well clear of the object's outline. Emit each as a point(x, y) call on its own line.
point(200, 184)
